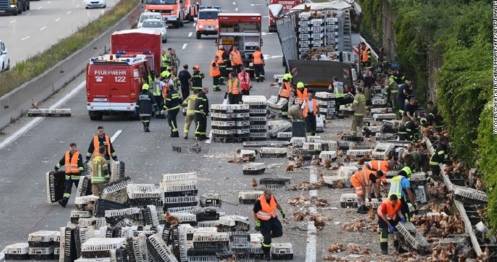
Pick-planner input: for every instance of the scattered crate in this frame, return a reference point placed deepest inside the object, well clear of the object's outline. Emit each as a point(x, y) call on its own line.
point(327, 156)
point(116, 191)
point(414, 240)
point(312, 147)
point(248, 154)
point(269, 152)
point(49, 112)
point(84, 186)
point(297, 141)
point(286, 136)
point(467, 194)
point(359, 153)
point(281, 251)
point(54, 186)
point(387, 116)
point(249, 197)
point(382, 150)
point(158, 249)
point(274, 182)
point(348, 200)
point(41, 253)
point(254, 168)
point(210, 199)
point(17, 251)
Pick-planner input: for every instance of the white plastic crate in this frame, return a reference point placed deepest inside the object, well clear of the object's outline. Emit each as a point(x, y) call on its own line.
point(139, 191)
point(468, 193)
point(223, 123)
point(347, 171)
point(327, 155)
point(249, 195)
point(359, 152)
point(258, 119)
point(229, 107)
point(380, 110)
point(176, 186)
point(83, 200)
point(254, 100)
point(388, 116)
point(258, 111)
point(115, 187)
point(43, 236)
point(17, 249)
point(348, 200)
point(297, 141)
point(382, 150)
point(180, 199)
point(273, 151)
point(80, 214)
point(313, 139)
point(151, 215)
point(281, 249)
point(171, 177)
point(201, 236)
point(223, 132)
point(103, 244)
point(253, 168)
point(41, 251)
point(310, 146)
point(328, 144)
point(181, 209)
point(101, 259)
point(284, 135)
point(162, 251)
point(305, 15)
point(122, 212)
point(184, 217)
point(324, 96)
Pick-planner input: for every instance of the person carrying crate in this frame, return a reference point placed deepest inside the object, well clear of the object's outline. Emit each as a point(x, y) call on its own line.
point(73, 165)
point(389, 215)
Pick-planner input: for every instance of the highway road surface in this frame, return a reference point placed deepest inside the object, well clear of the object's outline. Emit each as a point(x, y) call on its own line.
point(41, 142)
point(45, 24)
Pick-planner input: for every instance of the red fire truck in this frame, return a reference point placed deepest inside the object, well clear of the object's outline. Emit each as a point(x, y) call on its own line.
point(173, 11)
point(278, 8)
point(113, 84)
point(242, 30)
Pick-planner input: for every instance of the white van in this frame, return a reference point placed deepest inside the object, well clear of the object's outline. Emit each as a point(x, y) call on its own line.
point(4, 58)
point(147, 16)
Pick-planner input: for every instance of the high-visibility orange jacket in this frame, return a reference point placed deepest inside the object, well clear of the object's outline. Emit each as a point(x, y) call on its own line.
point(236, 58)
point(315, 108)
point(233, 86)
point(258, 58)
point(268, 210)
point(285, 90)
point(71, 163)
point(219, 55)
point(96, 145)
point(215, 72)
point(380, 165)
point(302, 94)
point(388, 209)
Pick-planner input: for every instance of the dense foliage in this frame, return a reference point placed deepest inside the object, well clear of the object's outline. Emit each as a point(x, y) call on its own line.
point(460, 31)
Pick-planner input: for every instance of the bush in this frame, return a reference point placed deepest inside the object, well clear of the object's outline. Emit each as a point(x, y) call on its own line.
point(36, 65)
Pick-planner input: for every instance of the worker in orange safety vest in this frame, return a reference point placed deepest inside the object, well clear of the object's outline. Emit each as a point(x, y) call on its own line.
point(310, 110)
point(233, 92)
point(266, 219)
point(215, 73)
point(98, 140)
point(236, 60)
point(389, 215)
point(258, 61)
point(302, 92)
point(362, 181)
point(73, 167)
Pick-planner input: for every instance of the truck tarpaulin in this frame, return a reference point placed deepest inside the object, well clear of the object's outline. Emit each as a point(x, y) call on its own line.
point(137, 41)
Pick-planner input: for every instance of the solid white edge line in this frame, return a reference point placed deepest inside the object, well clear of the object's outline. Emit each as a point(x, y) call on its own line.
point(236, 9)
point(190, 34)
point(16, 135)
point(310, 249)
point(115, 135)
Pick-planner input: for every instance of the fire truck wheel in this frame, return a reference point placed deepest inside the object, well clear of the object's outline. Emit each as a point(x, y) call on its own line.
point(95, 116)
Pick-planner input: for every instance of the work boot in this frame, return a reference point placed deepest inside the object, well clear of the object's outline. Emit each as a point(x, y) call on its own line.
point(174, 134)
point(362, 209)
point(384, 248)
point(63, 201)
point(185, 137)
point(147, 130)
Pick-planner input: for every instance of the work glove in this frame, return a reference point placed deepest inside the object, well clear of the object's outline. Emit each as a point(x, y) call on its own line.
point(257, 225)
point(391, 228)
point(282, 214)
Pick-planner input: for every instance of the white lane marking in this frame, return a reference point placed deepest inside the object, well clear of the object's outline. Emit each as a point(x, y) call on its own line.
point(21, 131)
point(49, 2)
point(190, 34)
point(184, 45)
point(208, 141)
point(57, 19)
point(194, 24)
point(69, 12)
point(310, 249)
point(234, 3)
point(236, 9)
point(25, 38)
point(43, 28)
point(77, 6)
point(39, 7)
point(12, 21)
point(115, 135)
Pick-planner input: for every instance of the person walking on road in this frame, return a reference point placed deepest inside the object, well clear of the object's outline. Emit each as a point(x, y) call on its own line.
point(302, 92)
point(73, 167)
point(145, 102)
point(310, 110)
point(258, 61)
point(201, 112)
point(233, 89)
point(222, 61)
point(359, 107)
point(172, 105)
point(98, 140)
point(100, 172)
point(266, 220)
point(245, 83)
point(197, 78)
point(215, 73)
point(189, 103)
point(184, 79)
point(389, 215)
point(236, 60)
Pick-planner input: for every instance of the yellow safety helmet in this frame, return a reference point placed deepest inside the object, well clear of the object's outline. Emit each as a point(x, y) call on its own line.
point(287, 76)
point(165, 74)
point(145, 86)
point(300, 85)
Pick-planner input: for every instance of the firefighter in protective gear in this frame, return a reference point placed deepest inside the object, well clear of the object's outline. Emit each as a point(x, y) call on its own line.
point(145, 103)
point(165, 60)
point(266, 219)
point(359, 107)
point(201, 113)
point(197, 78)
point(389, 215)
point(73, 167)
point(189, 103)
point(215, 73)
point(440, 156)
point(236, 60)
point(98, 140)
point(100, 173)
point(233, 89)
point(400, 185)
point(365, 54)
point(310, 110)
point(302, 92)
point(245, 83)
point(258, 61)
point(172, 105)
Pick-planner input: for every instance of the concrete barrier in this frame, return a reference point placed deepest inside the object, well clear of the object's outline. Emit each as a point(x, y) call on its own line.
point(15, 103)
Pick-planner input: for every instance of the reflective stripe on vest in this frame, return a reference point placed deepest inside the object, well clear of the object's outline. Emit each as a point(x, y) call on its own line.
point(257, 55)
point(267, 211)
point(233, 85)
point(71, 163)
point(395, 187)
point(96, 145)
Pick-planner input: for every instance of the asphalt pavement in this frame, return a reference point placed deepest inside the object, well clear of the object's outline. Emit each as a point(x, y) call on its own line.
point(47, 22)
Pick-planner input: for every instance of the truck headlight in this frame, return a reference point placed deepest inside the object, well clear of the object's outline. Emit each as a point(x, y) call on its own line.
point(12, 6)
point(201, 26)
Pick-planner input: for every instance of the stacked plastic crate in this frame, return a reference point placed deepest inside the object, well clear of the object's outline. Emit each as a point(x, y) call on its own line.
point(230, 123)
point(144, 194)
point(311, 32)
point(258, 116)
point(42, 244)
point(207, 245)
point(180, 190)
point(332, 31)
point(326, 102)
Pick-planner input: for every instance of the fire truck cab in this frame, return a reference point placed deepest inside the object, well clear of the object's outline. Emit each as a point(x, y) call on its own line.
point(173, 11)
point(207, 22)
point(113, 84)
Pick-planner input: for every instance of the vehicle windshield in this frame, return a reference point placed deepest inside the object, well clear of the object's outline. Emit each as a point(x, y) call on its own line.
point(160, 2)
point(149, 16)
point(152, 24)
point(207, 15)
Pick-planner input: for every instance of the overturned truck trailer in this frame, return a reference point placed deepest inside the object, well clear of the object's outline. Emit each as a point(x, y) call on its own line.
point(316, 40)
